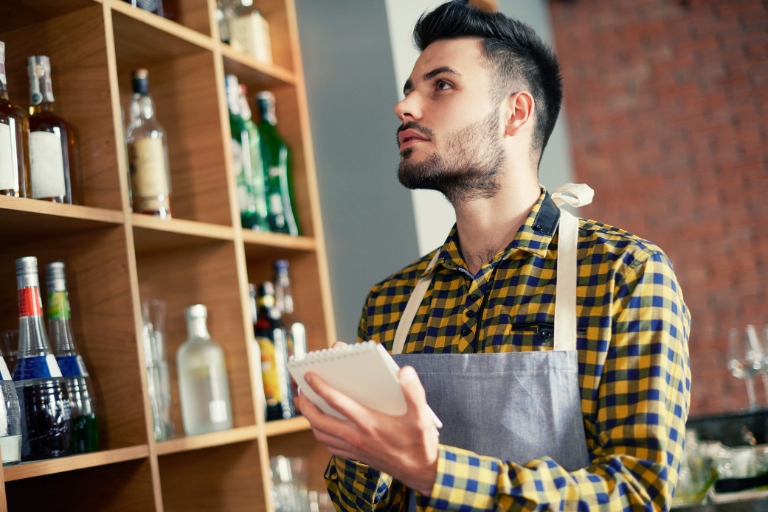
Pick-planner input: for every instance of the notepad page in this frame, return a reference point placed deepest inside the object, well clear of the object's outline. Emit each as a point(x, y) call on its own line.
point(364, 372)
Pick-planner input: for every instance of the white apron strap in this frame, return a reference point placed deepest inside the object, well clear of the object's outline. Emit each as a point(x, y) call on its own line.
point(404, 326)
point(567, 269)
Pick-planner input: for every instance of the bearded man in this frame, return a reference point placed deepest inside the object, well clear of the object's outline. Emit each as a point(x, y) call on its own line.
point(554, 349)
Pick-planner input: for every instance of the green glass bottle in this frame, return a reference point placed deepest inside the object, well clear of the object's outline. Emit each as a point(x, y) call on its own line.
point(241, 155)
point(277, 166)
point(258, 182)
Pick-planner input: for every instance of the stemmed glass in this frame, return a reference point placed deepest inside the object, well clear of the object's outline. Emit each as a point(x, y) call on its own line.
point(745, 360)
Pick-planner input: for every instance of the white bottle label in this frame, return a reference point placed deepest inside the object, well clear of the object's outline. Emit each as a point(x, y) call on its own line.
point(276, 204)
point(148, 175)
point(47, 163)
point(9, 177)
point(53, 366)
point(218, 411)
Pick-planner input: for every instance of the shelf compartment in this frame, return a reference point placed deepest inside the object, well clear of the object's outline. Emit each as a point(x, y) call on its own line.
point(60, 465)
point(146, 28)
point(119, 487)
point(220, 479)
point(76, 45)
point(102, 321)
point(26, 219)
point(152, 234)
point(183, 85)
point(21, 13)
point(255, 74)
point(184, 444)
point(303, 444)
point(283, 427)
point(204, 274)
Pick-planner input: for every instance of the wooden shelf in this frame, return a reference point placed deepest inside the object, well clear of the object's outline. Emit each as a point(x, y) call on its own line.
point(185, 444)
point(20, 13)
point(272, 244)
point(153, 234)
point(52, 466)
point(283, 427)
point(254, 73)
point(28, 219)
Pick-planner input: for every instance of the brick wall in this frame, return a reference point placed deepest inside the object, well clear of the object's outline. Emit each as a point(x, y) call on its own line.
point(667, 105)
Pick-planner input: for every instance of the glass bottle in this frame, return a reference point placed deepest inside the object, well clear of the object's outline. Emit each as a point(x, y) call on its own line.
point(85, 427)
point(165, 8)
point(255, 354)
point(242, 165)
point(147, 153)
point(10, 418)
point(14, 133)
point(257, 164)
point(271, 335)
point(205, 401)
point(277, 168)
point(53, 167)
point(154, 379)
point(297, 333)
point(43, 399)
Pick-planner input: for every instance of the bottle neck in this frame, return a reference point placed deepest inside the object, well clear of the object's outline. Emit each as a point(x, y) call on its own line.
point(33, 340)
point(59, 322)
point(142, 107)
point(42, 107)
point(3, 83)
point(40, 89)
point(197, 328)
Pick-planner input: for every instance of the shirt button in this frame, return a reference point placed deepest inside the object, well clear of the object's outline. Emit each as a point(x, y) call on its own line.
point(546, 334)
point(465, 331)
point(367, 475)
point(470, 314)
point(538, 227)
point(474, 297)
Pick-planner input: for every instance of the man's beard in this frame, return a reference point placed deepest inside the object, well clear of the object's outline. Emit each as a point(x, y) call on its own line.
point(470, 167)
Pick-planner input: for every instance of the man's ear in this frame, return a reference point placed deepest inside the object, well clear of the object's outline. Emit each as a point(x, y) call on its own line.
point(518, 112)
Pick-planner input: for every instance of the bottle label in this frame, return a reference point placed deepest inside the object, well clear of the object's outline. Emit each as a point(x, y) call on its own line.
point(4, 373)
point(276, 204)
point(72, 366)
point(218, 411)
point(9, 177)
point(47, 165)
point(30, 303)
point(269, 374)
point(58, 306)
point(36, 367)
point(149, 178)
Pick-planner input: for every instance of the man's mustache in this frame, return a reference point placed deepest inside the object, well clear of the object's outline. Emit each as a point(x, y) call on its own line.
point(413, 125)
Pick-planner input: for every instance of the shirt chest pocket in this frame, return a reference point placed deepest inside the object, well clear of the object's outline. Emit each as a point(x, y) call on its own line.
point(524, 337)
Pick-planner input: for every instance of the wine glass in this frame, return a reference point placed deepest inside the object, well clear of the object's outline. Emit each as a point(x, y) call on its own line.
point(745, 360)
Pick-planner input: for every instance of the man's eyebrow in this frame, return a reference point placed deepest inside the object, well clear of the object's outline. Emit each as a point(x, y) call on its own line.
point(429, 76)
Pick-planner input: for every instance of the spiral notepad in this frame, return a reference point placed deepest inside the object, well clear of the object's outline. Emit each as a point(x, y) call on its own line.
point(364, 372)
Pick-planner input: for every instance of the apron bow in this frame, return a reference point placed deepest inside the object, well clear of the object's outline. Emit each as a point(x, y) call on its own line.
point(573, 194)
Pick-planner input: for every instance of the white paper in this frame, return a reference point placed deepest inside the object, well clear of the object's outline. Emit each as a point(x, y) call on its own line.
point(47, 162)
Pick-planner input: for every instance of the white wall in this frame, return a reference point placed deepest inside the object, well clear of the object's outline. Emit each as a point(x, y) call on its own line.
point(433, 214)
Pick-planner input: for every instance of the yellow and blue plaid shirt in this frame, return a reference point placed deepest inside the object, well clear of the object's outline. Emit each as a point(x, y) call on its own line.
point(634, 369)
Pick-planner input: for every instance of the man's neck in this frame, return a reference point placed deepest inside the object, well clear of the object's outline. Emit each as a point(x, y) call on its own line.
point(487, 226)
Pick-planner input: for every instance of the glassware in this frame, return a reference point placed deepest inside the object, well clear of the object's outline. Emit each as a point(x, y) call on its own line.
point(85, 427)
point(205, 401)
point(42, 393)
point(745, 360)
point(147, 153)
point(154, 385)
point(10, 418)
point(14, 141)
point(10, 347)
point(155, 313)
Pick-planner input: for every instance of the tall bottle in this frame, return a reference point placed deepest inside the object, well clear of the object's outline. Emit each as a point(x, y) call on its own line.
point(271, 335)
point(165, 8)
point(10, 420)
point(203, 386)
point(258, 183)
point(297, 333)
point(255, 354)
point(14, 133)
point(241, 155)
point(147, 153)
point(85, 428)
point(53, 162)
point(277, 166)
point(42, 392)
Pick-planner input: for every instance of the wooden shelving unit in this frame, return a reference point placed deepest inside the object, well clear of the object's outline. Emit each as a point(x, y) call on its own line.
point(115, 259)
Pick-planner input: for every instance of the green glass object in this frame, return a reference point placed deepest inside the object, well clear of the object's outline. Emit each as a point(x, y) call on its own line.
point(258, 183)
point(278, 169)
point(85, 434)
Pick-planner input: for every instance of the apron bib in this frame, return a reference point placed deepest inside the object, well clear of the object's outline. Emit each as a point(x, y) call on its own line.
point(514, 406)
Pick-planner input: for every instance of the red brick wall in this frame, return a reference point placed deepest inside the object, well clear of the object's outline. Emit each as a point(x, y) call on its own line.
point(667, 107)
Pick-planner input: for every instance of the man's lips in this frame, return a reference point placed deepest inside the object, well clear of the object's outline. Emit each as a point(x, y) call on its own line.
point(410, 137)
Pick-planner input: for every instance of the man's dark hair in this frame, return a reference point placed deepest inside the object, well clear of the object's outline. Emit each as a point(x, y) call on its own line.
point(514, 51)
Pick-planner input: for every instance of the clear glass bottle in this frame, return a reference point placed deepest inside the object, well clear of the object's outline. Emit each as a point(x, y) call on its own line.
point(256, 175)
point(277, 167)
point(147, 153)
point(255, 354)
point(10, 418)
point(203, 386)
point(85, 426)
point(165, 8)
point(296, 333)
point(14, 133)
point(42, 392)
point(52, 146)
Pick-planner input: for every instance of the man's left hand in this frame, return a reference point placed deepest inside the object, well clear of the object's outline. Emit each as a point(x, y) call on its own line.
point(405, 447)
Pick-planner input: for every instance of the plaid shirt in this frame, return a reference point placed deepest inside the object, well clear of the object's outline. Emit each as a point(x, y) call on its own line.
point(634, 370)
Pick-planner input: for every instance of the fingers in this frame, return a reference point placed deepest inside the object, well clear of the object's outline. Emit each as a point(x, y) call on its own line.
point(356, 413)
point(415, 396)
point(339, 344)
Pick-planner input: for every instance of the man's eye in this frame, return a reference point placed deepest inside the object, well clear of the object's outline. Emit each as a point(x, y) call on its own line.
point(443, 85)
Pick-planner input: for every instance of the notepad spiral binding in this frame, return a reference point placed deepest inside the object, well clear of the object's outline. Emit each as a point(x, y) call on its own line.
point(333, 353)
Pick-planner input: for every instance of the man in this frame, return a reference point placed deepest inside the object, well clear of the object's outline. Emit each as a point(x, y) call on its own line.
point(590, 418)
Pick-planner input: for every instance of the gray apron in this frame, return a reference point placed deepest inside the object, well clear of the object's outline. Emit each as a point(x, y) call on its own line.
point(514, 406)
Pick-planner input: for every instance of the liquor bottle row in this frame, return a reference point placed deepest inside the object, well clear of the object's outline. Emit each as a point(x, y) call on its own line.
point(38, 153)
point(47, 403)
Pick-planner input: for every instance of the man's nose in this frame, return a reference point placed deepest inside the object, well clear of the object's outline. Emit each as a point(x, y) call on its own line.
point(408, 108)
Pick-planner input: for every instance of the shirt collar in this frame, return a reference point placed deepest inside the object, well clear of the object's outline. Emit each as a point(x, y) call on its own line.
point(534, 236)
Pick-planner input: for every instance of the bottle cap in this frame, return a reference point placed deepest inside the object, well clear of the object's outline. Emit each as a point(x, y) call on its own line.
point(140, 81)
point(40, 88)
point(26, 272)
point(196, 311)
point(266, 102)
point(55, 278)
point(281, 265)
